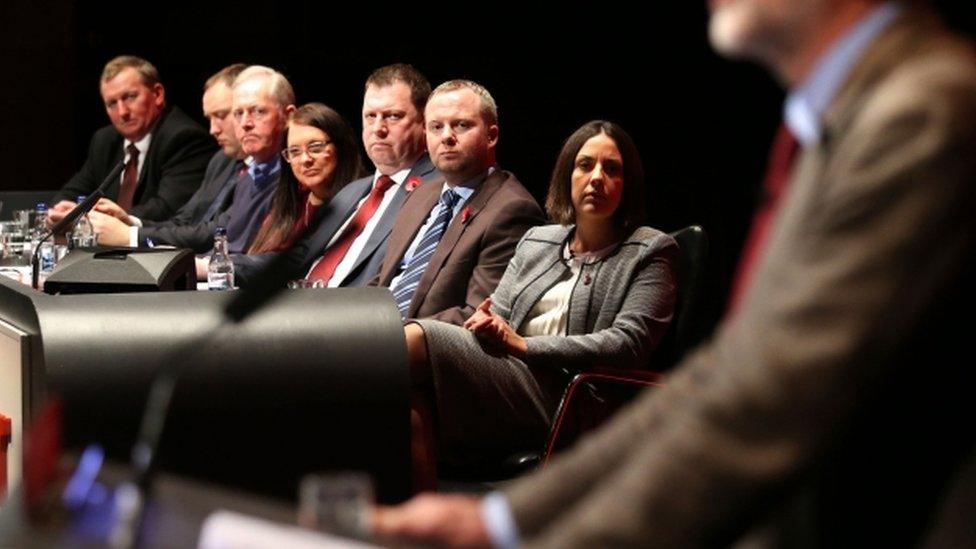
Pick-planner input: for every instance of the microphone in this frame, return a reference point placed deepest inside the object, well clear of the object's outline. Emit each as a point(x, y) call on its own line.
point(71, 216)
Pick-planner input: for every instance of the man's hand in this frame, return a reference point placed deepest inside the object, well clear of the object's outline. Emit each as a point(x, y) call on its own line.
point(58, 211)
point(110, 231)
point(429, 519)
point(493, 329)
point(108, 207)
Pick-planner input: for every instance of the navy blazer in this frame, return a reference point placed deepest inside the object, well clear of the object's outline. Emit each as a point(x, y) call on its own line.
point(332, 215)
point(178, 155)
point(219, 176)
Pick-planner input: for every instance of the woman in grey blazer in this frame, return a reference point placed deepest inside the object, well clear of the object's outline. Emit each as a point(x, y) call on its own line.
point(596, 288)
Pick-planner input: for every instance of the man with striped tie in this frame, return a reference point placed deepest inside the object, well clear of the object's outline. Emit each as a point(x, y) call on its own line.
point(451, 243)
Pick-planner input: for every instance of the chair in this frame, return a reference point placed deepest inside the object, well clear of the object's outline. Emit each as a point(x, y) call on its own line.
point(595, 395)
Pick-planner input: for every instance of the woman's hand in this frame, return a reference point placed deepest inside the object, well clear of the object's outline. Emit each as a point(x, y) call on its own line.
point(493, 329)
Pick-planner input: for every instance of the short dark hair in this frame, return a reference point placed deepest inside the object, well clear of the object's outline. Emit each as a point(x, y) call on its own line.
point(402, 72)
point(559, 202)
point(283, 214)
point(147, 72)
point(225, 76)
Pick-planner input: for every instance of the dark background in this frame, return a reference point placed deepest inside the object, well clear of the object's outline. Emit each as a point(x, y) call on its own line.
point(702, 124)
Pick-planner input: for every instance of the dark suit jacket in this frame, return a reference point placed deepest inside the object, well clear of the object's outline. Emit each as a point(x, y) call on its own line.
point(472, 254)
point(219, 174)
point(174, 165)
point(331, 217)
point(199, 236)
point(818, 414)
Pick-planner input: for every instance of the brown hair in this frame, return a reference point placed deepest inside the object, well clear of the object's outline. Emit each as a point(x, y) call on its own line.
point(559, 202)
point(147, 72)
point(489, 110)
point(402, 72)
point(225, 76)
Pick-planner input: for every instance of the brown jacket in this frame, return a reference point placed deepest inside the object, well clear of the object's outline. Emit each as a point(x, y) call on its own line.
point(820, 414)
point(472, 254)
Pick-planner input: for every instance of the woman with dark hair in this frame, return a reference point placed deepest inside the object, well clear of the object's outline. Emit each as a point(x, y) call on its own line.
point(324, 156)
point(596, 288)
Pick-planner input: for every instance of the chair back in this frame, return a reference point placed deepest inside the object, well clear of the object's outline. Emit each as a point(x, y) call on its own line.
point(684, 331)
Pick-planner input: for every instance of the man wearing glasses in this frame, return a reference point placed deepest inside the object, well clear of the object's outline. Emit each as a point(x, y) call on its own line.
point(165, 152)
point(347, 247)
point(262, 100)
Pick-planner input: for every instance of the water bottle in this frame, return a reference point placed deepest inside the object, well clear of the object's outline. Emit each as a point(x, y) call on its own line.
point(220, 273)
point(83, 235)
point(37, 230)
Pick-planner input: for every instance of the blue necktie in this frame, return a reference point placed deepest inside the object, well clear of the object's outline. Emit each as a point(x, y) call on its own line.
point(407, 284)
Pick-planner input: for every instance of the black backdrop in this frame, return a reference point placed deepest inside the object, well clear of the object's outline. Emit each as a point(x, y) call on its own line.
point(702, 124)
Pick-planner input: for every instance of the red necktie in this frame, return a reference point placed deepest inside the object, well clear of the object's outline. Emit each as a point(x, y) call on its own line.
point(781, 159)
point(130, 178)
point(326, 266)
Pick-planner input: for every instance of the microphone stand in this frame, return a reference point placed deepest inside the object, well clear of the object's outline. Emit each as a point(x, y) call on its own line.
point(70, 218)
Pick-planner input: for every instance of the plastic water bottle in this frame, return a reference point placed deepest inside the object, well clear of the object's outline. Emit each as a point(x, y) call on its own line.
point(37, 230)
point(220, 273)
point(83, 234)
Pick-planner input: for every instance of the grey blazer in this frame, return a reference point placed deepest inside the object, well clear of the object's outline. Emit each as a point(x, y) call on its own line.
point(620, 307)
point(817, 415)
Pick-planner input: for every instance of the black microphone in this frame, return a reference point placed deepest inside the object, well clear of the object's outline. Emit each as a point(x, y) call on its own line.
point(71, 216)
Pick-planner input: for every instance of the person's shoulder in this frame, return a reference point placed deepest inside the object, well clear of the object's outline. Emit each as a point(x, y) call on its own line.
point(174, 122)
point(548, 234)
point(649, 241)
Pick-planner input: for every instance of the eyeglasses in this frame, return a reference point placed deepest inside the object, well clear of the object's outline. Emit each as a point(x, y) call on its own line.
point(315, 149)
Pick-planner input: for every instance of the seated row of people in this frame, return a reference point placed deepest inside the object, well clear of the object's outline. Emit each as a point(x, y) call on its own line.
point(438, 223)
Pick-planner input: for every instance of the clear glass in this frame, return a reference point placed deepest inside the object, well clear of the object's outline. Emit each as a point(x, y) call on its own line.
point(337, 503)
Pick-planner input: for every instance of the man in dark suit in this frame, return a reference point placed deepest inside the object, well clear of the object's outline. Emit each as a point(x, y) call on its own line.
point(348, 245)
point(451, 243)
point(165, 151)
point(262, 101)
point(115, 227)
point(816, 416)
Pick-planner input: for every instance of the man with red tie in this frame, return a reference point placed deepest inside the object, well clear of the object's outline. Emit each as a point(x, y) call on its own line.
point(817, 414)
point(349, 243)
point(165, 152)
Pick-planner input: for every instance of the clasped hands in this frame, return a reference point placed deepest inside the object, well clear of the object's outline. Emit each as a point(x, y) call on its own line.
point(110, 221)
point(495, 330)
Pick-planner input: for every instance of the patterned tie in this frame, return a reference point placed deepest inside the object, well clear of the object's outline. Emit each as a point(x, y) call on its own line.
point(326, 265)
point(781, 159)
point(407, 284)
point(130, 178)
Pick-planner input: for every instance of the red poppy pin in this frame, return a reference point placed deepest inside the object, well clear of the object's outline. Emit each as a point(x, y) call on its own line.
point(465, 214)
point(413, 182)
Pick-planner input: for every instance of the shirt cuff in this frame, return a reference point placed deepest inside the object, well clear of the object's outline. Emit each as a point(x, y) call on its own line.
point(134, 237)
point(135, 221)
point(499, 521)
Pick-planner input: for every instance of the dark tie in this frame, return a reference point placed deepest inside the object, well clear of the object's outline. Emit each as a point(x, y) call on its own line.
point(130, 178)
point(326, 266)
point(407, 285)
point(778, 170)
point(261, 174)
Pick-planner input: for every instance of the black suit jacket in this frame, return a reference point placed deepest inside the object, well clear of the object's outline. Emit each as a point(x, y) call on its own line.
point(220, 174)
point(331, 217)
point(199, 236)
point(174, 165)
